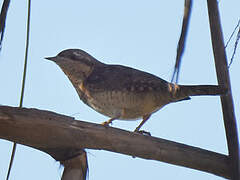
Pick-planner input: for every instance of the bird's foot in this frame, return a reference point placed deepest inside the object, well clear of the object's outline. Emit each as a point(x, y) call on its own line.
point(107, 123)
point(143, 132)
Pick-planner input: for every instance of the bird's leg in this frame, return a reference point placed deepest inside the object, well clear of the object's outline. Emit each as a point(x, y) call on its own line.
point(173, 89)
point(106, 123)
point(145, 118)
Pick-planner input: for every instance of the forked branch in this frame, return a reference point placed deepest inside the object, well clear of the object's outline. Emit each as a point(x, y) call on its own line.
point(224, 79)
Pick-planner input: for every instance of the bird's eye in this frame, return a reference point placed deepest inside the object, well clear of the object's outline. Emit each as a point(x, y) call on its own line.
point(75, 56)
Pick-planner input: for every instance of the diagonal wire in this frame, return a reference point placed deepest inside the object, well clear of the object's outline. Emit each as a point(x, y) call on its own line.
point(182, 39)
point(236, 42)
point(23, 83)
point(235, 46)
point(232, 33)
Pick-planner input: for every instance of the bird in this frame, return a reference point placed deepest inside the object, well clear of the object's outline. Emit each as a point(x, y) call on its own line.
point(122, 92)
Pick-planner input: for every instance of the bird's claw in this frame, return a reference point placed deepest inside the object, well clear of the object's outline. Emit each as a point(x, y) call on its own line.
point(143, 132)
point(106, 123)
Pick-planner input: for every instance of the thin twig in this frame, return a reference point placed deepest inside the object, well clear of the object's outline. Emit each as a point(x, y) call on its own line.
point(232, 33)
point(235, 47)
point(182, 39)
point(23, 84)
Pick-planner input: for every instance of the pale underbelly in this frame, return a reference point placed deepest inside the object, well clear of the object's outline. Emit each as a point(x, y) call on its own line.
point(122, 106)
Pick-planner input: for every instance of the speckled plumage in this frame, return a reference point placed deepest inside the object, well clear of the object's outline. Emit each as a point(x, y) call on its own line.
point(122, 92)
point(116, 90)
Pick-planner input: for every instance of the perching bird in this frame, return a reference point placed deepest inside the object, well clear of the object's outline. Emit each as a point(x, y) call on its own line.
point(122, 92)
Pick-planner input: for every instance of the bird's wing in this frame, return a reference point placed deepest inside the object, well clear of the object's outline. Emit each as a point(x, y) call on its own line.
point(117, 77)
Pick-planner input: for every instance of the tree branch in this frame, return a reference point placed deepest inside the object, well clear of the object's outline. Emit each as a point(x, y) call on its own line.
point(3, 17)
point(223, 79)
point(57, 134)
point(182, 39)
point(76, 168)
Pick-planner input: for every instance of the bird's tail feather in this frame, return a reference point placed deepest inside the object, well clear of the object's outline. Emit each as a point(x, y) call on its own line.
point(199, 90)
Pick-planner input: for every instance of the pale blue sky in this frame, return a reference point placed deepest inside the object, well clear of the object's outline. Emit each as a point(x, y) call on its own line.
point(141, 34)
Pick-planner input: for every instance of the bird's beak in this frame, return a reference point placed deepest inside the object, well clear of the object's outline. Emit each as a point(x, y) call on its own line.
point(51, 58)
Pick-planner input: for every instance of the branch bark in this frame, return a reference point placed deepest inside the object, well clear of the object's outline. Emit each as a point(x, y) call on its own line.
point(76, 168)
point(223, 79)
point(57, 134)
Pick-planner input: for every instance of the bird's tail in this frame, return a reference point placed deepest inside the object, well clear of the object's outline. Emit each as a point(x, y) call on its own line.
point(182, 92)
point(199, 90)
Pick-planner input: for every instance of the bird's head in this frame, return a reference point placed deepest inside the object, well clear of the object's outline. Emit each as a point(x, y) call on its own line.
point(75, 63)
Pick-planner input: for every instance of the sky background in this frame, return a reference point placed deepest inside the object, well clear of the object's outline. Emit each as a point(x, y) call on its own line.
point(140, 34)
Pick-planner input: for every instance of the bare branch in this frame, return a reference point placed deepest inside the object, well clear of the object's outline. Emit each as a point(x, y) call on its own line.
point(56, 134)
point(182, 39)
point(23, 84)
point(3, 17)
point(223, 79)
